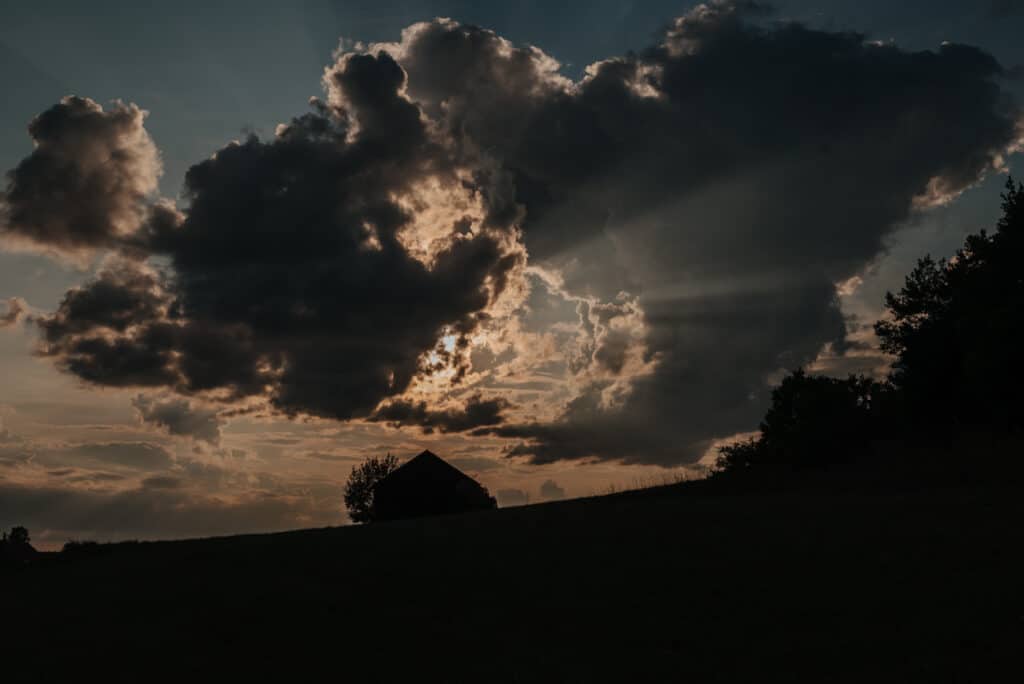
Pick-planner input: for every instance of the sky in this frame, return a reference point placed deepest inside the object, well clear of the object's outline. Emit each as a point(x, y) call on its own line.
point(568, 249)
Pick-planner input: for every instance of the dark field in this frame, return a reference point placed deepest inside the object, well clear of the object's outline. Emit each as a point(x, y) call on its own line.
point(673, 584)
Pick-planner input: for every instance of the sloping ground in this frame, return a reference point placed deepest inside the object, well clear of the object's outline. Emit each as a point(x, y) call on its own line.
point(669, 585)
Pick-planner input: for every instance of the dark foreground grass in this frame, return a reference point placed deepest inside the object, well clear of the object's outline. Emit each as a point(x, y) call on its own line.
point(673, 584)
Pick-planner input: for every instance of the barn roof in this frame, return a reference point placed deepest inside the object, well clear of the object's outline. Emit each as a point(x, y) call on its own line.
point(427, 466)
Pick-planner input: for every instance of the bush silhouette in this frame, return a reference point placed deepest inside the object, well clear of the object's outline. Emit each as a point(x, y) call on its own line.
point(359, 488)
point(813, 420)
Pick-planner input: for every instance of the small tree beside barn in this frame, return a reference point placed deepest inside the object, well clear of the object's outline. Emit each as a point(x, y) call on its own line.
point(361, 482)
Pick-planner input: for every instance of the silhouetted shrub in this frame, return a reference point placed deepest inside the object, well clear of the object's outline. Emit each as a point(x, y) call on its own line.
point(813, 420)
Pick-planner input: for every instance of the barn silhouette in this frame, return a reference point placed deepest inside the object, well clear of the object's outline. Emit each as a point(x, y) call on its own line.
point(428, 485)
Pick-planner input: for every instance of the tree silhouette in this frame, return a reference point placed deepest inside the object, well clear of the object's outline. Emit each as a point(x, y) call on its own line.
point(813, 420)
point(957, 326)
point(361, 481)
point(15, 548)
point(19, 536)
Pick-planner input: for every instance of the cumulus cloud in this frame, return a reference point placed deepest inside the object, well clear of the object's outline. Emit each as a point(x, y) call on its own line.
point(728, 177)
point(293, 274)
point(115, 330)
point(180, 417)
point(88, 180)
point(695, 202)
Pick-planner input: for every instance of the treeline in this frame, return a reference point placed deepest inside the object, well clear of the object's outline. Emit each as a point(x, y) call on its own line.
point(956, 334)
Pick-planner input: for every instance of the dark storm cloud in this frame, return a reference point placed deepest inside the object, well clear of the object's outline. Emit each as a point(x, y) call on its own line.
point(15, 309)
point(721, 104)
point(180, 417)
point(475, 413)
point(297, 242)
point(288, 274)
point(120, 296)
point(112, 330)
point(730, 176)
point(723, 180)
point(87, 181)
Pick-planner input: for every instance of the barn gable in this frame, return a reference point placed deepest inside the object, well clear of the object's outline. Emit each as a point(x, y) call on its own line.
point(428, 485)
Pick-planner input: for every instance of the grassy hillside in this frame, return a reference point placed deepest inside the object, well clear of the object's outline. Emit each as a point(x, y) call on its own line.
point(673, 584)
